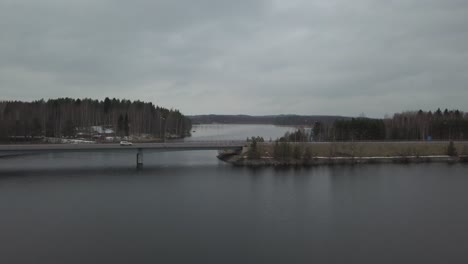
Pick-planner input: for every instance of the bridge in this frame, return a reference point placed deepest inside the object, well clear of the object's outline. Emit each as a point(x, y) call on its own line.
point(14, 149)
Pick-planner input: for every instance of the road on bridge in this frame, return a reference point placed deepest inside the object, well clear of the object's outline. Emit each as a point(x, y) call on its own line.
point(177, 146)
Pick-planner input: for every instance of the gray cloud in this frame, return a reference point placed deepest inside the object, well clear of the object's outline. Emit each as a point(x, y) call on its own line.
point(257, 57)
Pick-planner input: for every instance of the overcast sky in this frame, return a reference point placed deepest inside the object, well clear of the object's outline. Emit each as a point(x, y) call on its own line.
point(245, 56)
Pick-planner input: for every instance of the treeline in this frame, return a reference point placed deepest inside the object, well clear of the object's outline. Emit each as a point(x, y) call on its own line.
point(416, 125)
point(65, 116)
point(420, 125)
point(358, 129)
point(305, 120)
point(280, 120)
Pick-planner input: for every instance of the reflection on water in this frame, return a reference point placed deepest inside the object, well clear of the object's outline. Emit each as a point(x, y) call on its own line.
point(215, 213)
point(108, 160)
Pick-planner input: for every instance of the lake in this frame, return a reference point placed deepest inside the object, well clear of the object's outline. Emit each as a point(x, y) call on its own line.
point(188, 207)
point(236, 132)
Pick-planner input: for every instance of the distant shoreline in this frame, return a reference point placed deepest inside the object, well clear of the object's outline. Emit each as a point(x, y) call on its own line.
point(280, 120)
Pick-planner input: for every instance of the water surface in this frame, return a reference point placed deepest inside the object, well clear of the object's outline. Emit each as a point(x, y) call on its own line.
point(188, 207)
point(237, 132)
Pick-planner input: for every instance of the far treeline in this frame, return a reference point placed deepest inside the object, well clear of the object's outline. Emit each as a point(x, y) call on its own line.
point(416, 125)
point(64, 116)
point(280, 120)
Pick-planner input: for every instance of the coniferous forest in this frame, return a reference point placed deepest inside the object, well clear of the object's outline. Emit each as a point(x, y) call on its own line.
point(411, 125)
point(64, 117)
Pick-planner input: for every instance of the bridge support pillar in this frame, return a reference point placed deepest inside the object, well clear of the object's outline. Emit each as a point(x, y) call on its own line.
point(139, 159)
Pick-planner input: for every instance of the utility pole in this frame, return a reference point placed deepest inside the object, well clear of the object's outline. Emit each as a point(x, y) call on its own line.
point(160, 127)
point(165, 124)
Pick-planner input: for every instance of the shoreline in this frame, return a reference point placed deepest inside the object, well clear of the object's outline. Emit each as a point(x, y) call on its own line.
point(239, 161)
point(345, 153)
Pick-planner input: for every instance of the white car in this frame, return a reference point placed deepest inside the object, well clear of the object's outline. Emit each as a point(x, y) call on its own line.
point(125, 143)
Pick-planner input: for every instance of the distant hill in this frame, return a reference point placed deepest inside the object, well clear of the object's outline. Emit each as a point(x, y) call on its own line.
point(295, 120)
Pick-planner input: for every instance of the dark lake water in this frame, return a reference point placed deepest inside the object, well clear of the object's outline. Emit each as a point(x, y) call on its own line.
point(188, 207)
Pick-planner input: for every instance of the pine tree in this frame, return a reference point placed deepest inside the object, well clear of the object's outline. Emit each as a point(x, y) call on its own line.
point(451, 150)
point(285, 149)
point(69, 129)
point(120, 125)
point(253, 152)
point(307, 154)
point(297, 152)
point(317, 130)
point(277, 150)
point(126, 125)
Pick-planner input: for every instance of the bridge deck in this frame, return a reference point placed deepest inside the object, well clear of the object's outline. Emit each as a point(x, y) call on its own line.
point(177, 146)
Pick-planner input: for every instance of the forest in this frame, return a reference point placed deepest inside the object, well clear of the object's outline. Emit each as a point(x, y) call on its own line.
point(410, 125)
point(64, 117)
